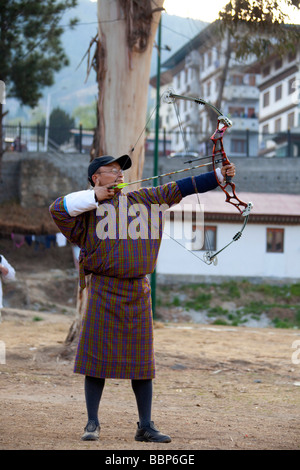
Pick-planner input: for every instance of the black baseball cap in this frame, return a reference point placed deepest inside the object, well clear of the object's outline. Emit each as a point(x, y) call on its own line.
point(124, 162)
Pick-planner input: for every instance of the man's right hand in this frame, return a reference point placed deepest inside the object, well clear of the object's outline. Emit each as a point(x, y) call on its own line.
point(103, 192)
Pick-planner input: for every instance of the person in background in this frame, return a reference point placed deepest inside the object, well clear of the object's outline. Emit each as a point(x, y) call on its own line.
point(7, 273)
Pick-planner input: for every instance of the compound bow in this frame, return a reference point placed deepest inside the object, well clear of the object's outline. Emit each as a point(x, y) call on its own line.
point(228, 187)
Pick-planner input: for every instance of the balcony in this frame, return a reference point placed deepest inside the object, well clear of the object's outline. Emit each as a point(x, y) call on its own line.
point(243, 92)
point(244, 124)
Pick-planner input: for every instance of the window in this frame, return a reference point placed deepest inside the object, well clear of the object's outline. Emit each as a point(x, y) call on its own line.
point(266, 71)
point(278, 93)
point(186, 75)
point(208, 88)
point(252, 80)
point(237, 80)
point(291, 120)
point(251, 113)
point(265, 129)
point(275, 240)
point(200, 124)
point(266, 99)
point(278, 125)
point(209, 242)
point(238, 146)
point(236, 111)
point(209, 58)
point(278, 64)
point(291, 85)
point(292, 56)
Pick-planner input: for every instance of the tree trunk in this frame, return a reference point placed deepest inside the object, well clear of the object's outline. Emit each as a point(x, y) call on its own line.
point(223, 78)
point(1, 140)
point(123, 58)
point(2, 114)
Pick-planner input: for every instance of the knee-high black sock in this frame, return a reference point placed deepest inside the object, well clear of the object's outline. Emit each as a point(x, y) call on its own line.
point(143, 394)
point(93, 387)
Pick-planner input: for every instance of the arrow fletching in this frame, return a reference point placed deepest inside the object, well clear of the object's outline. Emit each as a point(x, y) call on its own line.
point(120, 186)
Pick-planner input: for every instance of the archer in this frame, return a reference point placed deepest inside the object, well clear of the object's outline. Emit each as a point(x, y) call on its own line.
point(116, 338)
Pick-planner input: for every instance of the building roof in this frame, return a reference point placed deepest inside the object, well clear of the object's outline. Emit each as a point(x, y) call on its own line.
point(196, 42)
point(25, 220)
point(267, 207)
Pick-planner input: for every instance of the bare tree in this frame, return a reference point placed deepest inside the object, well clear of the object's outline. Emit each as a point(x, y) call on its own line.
point(124, 47)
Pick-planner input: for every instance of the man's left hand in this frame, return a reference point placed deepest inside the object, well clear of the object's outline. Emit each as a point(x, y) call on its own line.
point(228, 170)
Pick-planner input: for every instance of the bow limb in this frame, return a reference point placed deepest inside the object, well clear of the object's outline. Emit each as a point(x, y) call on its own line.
point(218, 149)
point(228, 187)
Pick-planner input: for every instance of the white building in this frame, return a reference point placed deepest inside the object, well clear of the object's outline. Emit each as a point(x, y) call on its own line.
point(269, 248)
point(196, 70)
point(279, 110)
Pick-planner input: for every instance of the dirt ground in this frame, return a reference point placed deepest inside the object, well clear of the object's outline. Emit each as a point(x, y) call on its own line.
point(216, 387)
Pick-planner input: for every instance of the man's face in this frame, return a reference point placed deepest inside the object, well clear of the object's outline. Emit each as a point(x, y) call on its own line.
point(107, 174)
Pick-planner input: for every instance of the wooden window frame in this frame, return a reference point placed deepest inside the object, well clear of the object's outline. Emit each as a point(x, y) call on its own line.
point(275, 236)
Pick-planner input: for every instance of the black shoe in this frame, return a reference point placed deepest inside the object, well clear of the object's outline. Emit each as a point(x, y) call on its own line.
point(91, 432)
point(150, 434)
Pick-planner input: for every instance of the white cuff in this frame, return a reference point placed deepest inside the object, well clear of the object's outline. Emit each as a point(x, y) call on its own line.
point(219, 175)
point(79, 202)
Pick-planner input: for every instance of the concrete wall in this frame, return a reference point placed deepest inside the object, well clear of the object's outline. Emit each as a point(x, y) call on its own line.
point(37, 179)
point(257, 174)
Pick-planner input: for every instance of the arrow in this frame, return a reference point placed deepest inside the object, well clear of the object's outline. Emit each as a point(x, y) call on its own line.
point(123, 185)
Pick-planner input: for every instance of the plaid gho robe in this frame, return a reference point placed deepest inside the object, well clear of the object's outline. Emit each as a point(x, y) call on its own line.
point(116, 337)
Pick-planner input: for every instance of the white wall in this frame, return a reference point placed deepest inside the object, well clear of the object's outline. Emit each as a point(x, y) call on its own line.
point(246, 257)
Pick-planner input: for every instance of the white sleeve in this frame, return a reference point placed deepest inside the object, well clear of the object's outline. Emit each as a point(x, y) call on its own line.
point(219, 175)
point(11, 272)
point(79, 202)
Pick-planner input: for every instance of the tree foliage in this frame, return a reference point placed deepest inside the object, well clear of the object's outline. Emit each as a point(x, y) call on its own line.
point(260, 27)
point(60, 125)
point(86, 115)
point(30, 46)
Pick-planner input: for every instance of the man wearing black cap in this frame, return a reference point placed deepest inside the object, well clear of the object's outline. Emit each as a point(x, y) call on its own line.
point(116, 337)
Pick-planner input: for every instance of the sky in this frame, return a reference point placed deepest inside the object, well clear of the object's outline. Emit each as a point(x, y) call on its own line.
point(198, 9)
point(195, 9)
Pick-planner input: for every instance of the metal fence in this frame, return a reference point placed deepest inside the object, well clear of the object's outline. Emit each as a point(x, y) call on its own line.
point(38, 138)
